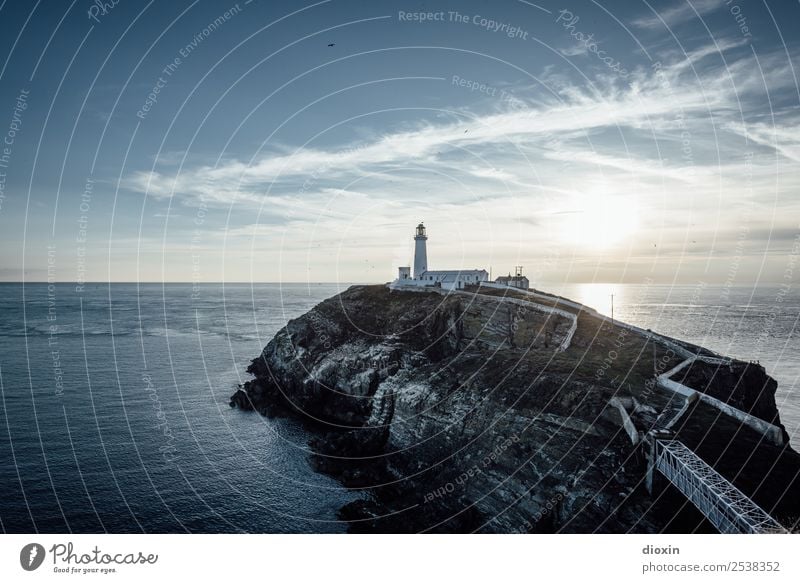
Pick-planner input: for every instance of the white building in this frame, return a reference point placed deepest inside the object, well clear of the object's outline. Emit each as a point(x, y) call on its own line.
point(420, 251)
point(517, 280)
point(423, 277)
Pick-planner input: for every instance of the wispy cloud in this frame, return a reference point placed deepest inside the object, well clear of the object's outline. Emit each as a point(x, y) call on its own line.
point(577, 113)
point(784, 139)
point(564, 128)
point(575, 50)
point(676, 14)
point(670, 143)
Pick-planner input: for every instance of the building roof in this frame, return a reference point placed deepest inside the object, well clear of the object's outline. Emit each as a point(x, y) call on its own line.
point(511, 278)
point(454, 272)
point(448, 275)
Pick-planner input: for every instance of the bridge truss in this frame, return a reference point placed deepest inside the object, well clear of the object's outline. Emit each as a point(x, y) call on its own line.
point(725, 506)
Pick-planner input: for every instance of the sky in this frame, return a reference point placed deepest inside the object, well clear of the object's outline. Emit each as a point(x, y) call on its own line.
point(623, 142)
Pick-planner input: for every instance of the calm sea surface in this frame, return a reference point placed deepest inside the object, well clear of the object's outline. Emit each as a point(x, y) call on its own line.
point(114, 402)
point(141, 438)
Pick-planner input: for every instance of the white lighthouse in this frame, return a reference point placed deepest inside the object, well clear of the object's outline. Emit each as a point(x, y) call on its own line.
point(420, 252)
point(452, 279)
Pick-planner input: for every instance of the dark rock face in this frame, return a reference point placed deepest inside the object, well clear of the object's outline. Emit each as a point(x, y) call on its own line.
point(744, 385)
point(459, 413)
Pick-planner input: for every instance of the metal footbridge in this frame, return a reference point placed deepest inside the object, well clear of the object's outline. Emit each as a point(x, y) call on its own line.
point(722, 503)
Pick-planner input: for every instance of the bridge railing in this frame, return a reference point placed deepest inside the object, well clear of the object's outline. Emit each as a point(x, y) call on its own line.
point(725, 506)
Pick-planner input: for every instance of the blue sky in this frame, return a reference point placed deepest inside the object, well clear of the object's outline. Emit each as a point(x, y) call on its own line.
point(588, 141)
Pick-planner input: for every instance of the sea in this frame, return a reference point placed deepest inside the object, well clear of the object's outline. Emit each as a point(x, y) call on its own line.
point(114, 411)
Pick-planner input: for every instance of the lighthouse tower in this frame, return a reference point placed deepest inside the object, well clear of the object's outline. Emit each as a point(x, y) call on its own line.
point(420, 251)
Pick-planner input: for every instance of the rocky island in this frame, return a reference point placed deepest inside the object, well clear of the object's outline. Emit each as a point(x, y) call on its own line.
point(493, 409)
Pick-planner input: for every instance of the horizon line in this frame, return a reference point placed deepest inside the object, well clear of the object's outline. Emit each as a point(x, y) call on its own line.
point(217, 282)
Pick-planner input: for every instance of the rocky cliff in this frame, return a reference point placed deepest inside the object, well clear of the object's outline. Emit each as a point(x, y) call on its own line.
point(489, 411)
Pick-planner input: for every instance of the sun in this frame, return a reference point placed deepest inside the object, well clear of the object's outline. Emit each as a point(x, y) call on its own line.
point(599, 221)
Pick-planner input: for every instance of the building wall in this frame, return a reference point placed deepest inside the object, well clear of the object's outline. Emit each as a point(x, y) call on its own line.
point(420, 256)
point(516, 282)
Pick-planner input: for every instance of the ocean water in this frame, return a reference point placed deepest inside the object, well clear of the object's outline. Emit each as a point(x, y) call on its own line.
point(118, 420)
point(114, 408)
